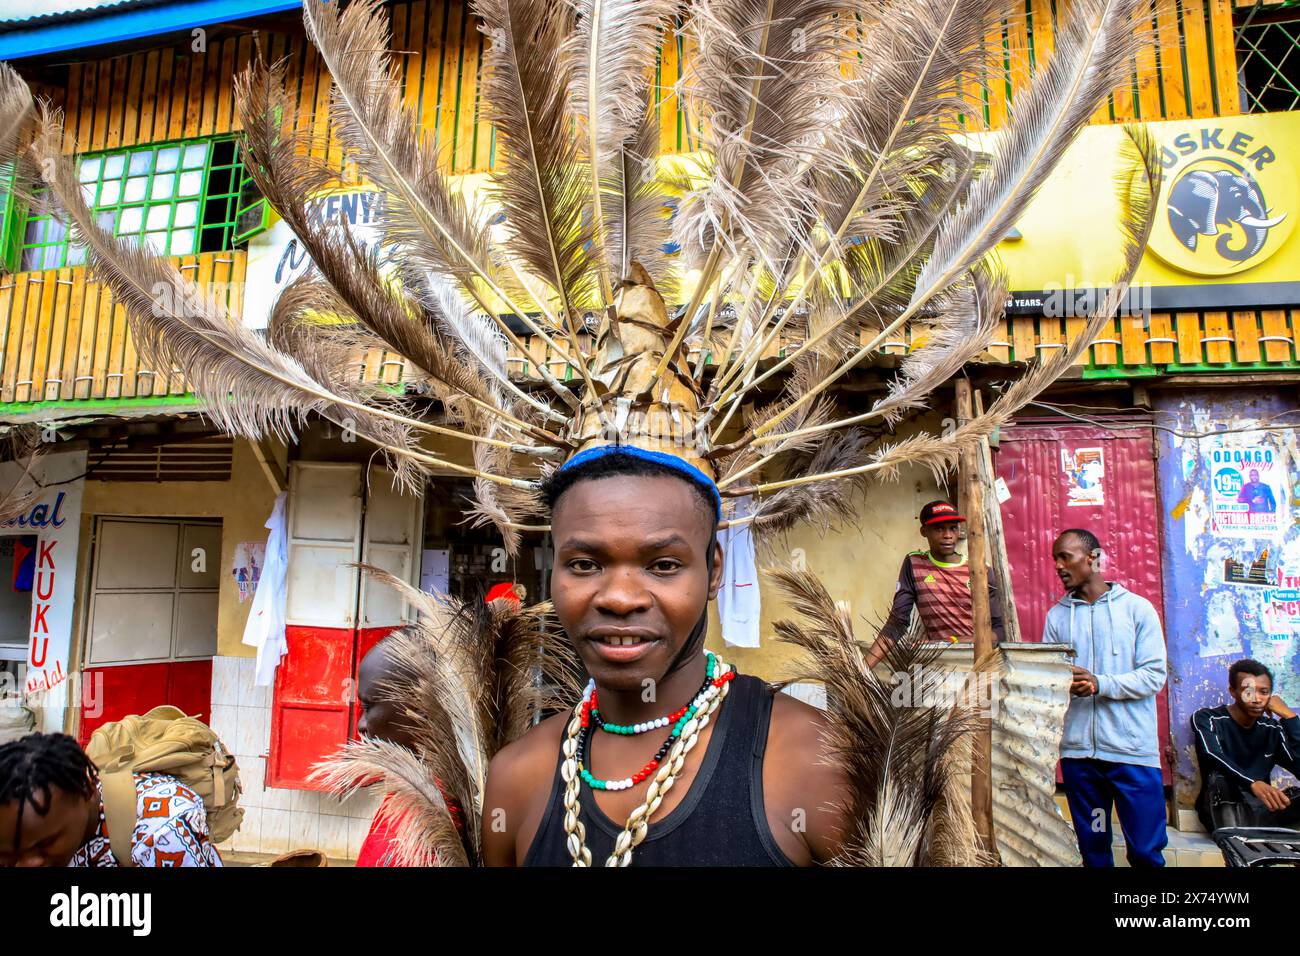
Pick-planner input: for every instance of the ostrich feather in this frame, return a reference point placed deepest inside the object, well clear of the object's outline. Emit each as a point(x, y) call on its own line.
point(247, 387)
point(472, 677)
point(413, 806)
point(541, 187)
point(610, 58)
point(893, 747)
point(293, 183)
point(1094, 51)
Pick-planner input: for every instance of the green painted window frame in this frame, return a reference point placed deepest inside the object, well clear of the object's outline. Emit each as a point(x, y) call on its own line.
point(41, 242)
point(9, 216)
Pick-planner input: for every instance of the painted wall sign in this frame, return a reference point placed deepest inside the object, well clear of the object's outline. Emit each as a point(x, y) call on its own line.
point(1230, 199)
point(1225, 227)
point(276, 257)
point(1249, 491)
point(55, 520)
point(1085, 473)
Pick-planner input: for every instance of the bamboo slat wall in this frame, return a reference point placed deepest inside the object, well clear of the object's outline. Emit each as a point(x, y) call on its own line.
point(64, 339)
point(174, 93)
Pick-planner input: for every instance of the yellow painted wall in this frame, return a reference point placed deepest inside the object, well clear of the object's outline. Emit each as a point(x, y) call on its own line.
point(243, 504)
point(858, 564)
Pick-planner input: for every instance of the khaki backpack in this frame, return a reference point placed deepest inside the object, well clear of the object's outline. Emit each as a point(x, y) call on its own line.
point(166, 741)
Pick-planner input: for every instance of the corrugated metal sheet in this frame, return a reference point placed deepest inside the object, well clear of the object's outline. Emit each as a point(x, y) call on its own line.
point(1033, 694)
point(37, 12)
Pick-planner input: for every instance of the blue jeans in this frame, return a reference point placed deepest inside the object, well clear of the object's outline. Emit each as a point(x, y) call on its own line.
point(1137, 793)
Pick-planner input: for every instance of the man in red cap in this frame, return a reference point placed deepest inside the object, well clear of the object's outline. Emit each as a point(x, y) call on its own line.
point(937, 583)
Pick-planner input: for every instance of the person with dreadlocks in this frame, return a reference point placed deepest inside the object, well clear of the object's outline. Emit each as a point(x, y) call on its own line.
point(636, 563)
point(52, 812)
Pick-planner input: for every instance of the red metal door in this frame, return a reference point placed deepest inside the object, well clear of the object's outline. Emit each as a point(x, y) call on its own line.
point(312, 715)
point(114, 692)
point(1066, 475)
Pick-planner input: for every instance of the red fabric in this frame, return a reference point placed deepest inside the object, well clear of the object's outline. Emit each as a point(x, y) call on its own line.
point(378, 847)
point(505, 589)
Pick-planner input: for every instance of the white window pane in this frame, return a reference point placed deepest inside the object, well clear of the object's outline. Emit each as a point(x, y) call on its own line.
point(191, 183)
point(110, 193)
point(182, 242)
point(50, 259)
point(196, 155)
point(141, 163)
point(90, 169)
point(113, 166)
point(187, 214)
point(158, 216)
point(135, 189)
point(168, 158)
point(163, 187)
point(130, 221)
point(76, 255)
point(157, 241)
point(105, 219)
point(88, 192)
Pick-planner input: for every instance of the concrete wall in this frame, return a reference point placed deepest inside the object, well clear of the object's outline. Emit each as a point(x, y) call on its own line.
point(1213, 621)
point(857, 563)
point(243, 504)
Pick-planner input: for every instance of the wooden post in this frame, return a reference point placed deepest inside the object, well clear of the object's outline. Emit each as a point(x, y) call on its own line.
point(982, 753)
point(997, 542)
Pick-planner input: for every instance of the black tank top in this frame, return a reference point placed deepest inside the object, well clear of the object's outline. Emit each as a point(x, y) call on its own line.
point(721, 822)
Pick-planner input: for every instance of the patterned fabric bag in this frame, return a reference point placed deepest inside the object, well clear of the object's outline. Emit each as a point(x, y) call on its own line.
point(166, 741)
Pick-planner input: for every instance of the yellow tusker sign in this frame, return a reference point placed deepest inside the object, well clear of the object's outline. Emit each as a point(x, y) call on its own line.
point(1224, 234)
point(1229, 201)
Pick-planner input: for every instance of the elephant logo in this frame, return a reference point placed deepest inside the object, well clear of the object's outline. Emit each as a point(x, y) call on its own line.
point(1204, 201)
point(1223, 216)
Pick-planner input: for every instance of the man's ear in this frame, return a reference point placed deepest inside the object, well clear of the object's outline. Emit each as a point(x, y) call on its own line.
point(715, 579)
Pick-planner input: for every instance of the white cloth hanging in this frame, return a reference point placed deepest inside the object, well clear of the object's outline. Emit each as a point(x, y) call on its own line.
point(739, 604)
point(265, 627)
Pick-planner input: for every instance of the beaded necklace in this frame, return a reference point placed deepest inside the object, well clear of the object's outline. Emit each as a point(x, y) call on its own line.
point(637, 826)
point(710, 665)
point(680, 720)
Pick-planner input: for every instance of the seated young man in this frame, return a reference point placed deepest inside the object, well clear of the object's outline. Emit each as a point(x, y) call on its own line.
point(1237, 747)
point(636, 563)
point(52, 812)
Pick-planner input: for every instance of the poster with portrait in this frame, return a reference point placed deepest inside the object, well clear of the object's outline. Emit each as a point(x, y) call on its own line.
point(1248, 491)
point(1085, 473)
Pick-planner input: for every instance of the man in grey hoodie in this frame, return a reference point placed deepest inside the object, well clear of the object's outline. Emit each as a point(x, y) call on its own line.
point(1110, 751)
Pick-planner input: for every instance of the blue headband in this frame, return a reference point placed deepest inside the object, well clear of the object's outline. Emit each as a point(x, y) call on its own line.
point(683, 468)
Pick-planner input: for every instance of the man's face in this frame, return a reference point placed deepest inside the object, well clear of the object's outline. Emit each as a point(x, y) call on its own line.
point(1254, 476)
point(1074, 562)
point(380, 717)
point(48, 840)
point(943, 538)
point(1252, 693)
point(631, 574)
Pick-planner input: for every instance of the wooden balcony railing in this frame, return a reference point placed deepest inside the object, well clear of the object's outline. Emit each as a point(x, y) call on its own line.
point(170, 93)
point(63, 339)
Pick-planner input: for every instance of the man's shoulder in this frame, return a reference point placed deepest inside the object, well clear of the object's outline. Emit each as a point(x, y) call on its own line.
point(797, 730)
point(536, 750)
point(1206, 713)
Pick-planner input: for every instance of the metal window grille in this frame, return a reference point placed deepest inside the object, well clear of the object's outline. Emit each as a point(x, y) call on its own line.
point(176, 198)
point(1268, 55)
